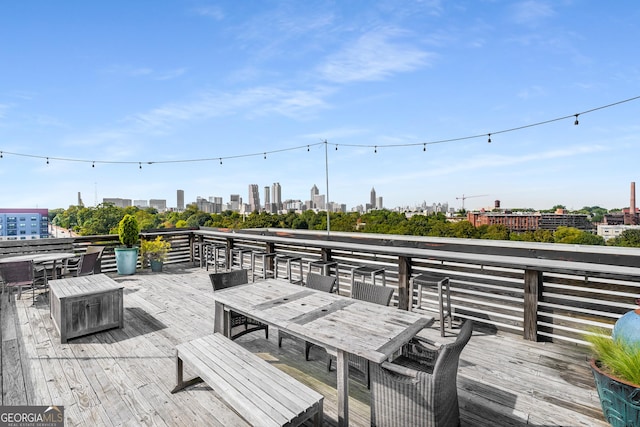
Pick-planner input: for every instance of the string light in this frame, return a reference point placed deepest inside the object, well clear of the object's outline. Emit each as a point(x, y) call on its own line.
point(375, 149)
point(575, 116)
point(93, 165)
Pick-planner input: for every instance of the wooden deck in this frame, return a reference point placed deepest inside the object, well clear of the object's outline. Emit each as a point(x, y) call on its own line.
point(124, 376)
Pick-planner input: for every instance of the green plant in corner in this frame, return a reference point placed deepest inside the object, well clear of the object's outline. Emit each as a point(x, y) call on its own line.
point(615, 356)
point(128, 230)
point(154, 250)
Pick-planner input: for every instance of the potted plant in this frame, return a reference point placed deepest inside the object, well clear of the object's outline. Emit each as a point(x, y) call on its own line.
point(616, 369)
point(154, 252)
point(127, 255)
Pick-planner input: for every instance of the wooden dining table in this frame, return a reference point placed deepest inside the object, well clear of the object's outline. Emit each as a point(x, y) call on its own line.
point(340, 324)
point(42, 258)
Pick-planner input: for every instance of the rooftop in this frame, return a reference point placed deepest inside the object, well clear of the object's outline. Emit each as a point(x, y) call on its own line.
point(124, 376)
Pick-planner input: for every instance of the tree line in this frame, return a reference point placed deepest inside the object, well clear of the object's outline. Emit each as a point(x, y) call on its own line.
point(104, 219)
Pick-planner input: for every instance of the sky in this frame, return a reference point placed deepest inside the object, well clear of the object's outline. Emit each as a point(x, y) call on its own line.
point(137, 99)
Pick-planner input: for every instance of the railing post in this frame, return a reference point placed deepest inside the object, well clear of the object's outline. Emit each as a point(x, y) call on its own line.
point(404, 291)
point(325, 254)
point(228, 253)
point(270, 248)
point(532, 294)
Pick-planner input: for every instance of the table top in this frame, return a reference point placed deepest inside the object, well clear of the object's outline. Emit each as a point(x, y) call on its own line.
point(37, 258)
point(83, 285)
point(335, 322)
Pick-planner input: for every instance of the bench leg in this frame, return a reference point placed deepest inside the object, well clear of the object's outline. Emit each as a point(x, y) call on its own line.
point(180, 382)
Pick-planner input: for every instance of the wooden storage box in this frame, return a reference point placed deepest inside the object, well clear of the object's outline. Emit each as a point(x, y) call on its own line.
point(85, 305)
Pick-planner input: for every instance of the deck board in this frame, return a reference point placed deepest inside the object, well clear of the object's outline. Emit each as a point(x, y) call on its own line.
point(124, 376)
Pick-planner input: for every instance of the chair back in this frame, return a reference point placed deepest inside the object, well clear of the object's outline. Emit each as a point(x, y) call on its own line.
point(87, 263)
point(320, 282)
point(371, 293)
point(16, 273)
point(228, 279)
point(446, 366)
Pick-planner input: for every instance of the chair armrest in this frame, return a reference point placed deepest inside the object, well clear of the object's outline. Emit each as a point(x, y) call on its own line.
point(401, 370)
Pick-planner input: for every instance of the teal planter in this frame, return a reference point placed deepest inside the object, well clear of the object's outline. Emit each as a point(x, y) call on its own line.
point(156, 266)
point(126, 260)
point(620, 400)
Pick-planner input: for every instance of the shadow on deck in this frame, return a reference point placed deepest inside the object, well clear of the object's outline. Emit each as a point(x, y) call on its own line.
point(124, 376)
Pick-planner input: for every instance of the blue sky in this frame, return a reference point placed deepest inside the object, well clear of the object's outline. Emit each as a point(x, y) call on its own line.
point(123, 82)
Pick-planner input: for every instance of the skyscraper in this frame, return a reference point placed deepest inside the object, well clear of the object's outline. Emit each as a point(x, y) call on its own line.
point(276, 193)
point(180, 196)
point(373, 198)
point(314, 193)
point(267, 199)
point(254, 197)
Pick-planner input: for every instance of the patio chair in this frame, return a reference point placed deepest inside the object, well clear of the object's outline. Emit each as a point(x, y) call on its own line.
point(87, 264)
point(71, 266)
point(370, 293)
point(19, 274)
point(320, 283)
point(419, 388)
point(228, 279)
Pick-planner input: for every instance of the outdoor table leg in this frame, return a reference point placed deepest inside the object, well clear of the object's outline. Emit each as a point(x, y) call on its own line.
point(343, 387)
point(222, 320)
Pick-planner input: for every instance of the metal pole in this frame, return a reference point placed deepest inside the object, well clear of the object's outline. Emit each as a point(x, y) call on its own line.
point(326, 174)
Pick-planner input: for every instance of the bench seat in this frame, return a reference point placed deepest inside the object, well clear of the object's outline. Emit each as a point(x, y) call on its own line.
point(258, 391)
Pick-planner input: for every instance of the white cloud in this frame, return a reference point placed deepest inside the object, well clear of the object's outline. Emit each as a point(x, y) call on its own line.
point(211, 12)
point(171, 74)
point(374, 56)
point(531, 12)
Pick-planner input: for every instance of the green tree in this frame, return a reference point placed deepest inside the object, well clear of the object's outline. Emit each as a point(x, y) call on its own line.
point(496, 232)
point(628, 238)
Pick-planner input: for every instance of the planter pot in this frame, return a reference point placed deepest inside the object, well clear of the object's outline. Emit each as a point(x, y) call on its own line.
point(620, 400)
point(156, 266)
point(126, 260)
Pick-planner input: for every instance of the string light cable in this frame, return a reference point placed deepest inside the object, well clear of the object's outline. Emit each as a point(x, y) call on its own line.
point(264, 154)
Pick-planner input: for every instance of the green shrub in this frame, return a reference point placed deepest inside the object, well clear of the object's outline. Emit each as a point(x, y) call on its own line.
point(154, 250)
point(128, 230)
point(616, 357)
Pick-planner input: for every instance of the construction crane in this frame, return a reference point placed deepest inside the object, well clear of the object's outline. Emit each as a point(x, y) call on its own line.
point(463, 198)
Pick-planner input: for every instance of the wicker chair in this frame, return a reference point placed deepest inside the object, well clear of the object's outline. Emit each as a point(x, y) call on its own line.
point(228, 279)
point(19, 274)
point(419, 388)
point(370, 293)
point(320, 283)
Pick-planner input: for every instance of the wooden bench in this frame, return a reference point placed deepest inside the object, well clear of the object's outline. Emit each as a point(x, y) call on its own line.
point(262, 394)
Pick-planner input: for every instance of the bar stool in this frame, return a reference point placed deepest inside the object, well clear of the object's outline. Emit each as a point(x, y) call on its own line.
point(365, 271)
point(237, 254)
point(263, 270)
point(198, 254)
point(216, 255)
point(288, 259)
point(439, 283)
point(325, 270)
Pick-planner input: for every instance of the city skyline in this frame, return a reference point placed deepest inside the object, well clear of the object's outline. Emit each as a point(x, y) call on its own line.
point(423, 101)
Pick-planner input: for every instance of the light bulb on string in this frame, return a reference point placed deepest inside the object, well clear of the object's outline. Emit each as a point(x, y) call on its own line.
point(93, 165)
point(1, 156)
point(307, 148)
point(47, 160)
point(265, 156)
point(489, 140)
point(424, 148)
point(375, 148)
point(220, 160)
point(336, 147)
point(576, 122)
point(140, 165)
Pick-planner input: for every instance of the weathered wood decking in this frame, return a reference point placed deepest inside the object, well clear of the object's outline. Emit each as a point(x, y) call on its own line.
point(125, 376)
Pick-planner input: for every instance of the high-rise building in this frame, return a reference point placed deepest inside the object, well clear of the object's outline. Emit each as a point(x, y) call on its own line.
point(141, 204)
point(117, 202)
point(254, 198)
point(379, 204)
point(267, 199)
point(159, 204)
point(235, 201)
point(180, 201)
point(276, 193)
point(314, 193)
point(373, 198)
